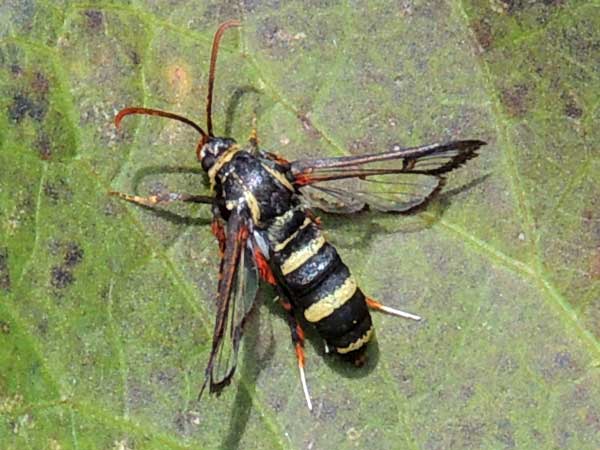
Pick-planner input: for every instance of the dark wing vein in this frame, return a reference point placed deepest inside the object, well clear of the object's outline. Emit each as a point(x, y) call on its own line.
point(399, 180)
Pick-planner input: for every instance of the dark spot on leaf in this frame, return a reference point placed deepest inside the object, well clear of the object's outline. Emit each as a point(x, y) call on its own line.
point(95, 19)
point(73, 255)
point(42, 326)
point(563, 439)
point(483, 34)
point(564, 360)
point(15, 69)
point(515, 100)
point(4, 272)
point(466, 392)
point(507, 364)
point(505, 433)
point(4, 327)
point(135, 57)
point(513, 6)
point(61, 277)
point(572, 110)
point(23, 105)
point(57, 190)
point(472, 432)
point(249, 6)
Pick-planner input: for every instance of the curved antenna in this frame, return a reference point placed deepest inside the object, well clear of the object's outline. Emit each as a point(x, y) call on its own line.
point(157, 112)
point(213, 63)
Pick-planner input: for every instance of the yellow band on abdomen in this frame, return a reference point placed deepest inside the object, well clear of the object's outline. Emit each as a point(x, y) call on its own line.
point(358, 343)
point(299, 257)
point(327, 305)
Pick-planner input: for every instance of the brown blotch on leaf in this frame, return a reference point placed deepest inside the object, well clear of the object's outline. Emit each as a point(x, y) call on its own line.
point(95, 19)
point(40, 83)
point(4, 272)
point(483, 34)
point(515, 100)
point(308, 126)
point(61, 277)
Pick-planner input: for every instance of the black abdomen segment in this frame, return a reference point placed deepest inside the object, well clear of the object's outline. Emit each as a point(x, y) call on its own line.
point(318, 283)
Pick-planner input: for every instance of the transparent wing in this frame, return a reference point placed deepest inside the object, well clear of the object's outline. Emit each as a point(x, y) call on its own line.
point(399, 180)
point(236, 295)
point(382, 193)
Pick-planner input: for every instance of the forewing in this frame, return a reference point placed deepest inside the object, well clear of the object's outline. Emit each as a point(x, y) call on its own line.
point(399, 180)
point(236, 294)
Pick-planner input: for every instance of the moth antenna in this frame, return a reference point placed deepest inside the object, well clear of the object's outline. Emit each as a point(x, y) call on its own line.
point(374, 304)
point(157, 112)
point(211, 73)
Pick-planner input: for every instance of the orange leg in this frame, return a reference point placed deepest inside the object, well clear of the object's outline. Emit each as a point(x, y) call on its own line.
point(374, 304)
point(298, 341)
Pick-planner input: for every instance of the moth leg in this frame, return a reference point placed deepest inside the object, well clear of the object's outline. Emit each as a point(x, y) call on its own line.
point(167, 197)
point(298, 341)
point(253, 138)
point(374, 304)
point(218, 228)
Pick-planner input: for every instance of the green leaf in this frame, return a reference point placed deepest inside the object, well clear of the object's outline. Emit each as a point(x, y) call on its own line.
point(106, 309)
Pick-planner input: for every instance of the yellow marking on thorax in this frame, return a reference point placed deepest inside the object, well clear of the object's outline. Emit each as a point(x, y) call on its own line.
point(219, 163)
point(299, 257)
point(250, 198)
point(358, 343)
point(279, 177)
point(253, 205)
point(279, 247)
point(328, 304)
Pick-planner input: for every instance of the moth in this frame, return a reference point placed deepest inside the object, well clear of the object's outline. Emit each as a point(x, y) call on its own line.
point(263, 221)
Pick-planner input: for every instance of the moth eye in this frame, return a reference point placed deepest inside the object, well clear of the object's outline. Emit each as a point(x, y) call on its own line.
point(208, 160)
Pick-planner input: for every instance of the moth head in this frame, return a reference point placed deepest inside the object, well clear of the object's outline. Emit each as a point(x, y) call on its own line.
point(210, 150)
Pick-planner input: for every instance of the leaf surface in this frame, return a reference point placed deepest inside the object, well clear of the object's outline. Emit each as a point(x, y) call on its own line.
point(106, 309)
